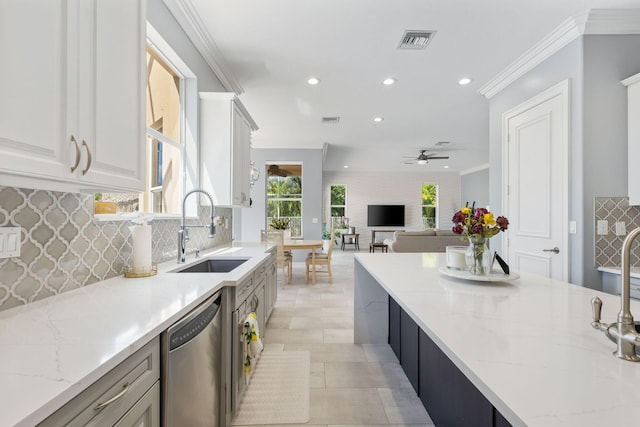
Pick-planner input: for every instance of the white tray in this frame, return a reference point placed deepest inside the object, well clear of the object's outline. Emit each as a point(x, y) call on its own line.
point(494, 276)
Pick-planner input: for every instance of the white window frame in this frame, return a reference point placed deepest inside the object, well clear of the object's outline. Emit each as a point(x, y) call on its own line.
point(188, 126)
point(332, 218)
point(436, 206)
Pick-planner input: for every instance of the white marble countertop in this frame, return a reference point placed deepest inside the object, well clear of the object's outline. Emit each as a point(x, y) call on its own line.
point(635, 271)
point(52, 349)
point(527, 344)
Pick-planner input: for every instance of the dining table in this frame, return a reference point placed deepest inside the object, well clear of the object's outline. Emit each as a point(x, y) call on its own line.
point(296, 244)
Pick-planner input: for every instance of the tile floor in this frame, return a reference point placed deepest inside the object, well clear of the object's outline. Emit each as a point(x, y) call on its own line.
point(351, 384)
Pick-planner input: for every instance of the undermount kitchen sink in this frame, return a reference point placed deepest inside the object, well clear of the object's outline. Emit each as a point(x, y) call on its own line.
point(214, 265)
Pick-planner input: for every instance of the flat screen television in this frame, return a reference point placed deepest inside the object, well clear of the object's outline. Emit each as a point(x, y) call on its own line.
point(385, 215)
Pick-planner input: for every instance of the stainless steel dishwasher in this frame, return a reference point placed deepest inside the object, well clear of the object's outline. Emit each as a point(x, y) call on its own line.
point(191, 367)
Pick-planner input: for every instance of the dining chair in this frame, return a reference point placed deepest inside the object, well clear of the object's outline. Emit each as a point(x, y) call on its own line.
point(321, 259)
point(283, 258)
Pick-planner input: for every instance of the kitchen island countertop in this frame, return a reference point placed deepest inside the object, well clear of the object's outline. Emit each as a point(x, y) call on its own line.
point(526, 344)
point(53, 349)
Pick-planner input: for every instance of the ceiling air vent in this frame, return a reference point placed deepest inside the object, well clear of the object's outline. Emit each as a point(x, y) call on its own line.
point(330, 120)
point(416, 39)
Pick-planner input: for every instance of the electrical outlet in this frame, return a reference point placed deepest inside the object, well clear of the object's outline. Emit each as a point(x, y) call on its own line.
point(603, 227)
point(10, 242)
point(314, 220)
point(621, 228)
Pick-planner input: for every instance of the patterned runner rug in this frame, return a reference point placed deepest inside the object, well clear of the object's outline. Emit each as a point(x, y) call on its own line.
point(278, 392)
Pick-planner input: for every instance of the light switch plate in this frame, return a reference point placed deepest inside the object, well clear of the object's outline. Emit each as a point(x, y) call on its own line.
point(10, 242)
point(573, 227)
point(621, 228)
point(603, 227)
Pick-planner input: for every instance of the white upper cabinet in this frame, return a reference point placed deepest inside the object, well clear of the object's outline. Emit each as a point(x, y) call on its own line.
point(225, 142)
point(633, 141)
point(72, 84)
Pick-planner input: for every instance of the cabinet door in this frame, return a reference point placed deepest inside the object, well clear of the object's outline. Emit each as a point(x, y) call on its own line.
point(33, 87)
point(409, 352)
point(447, 394)
point(112, 122)
point(241, 153)
point(146, 412)
point(394, 327)
point(633, 139)
point(261, 309)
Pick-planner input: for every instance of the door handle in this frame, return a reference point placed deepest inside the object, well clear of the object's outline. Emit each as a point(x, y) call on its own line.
point(555, 250)
point(84, 144)
point(75, 165)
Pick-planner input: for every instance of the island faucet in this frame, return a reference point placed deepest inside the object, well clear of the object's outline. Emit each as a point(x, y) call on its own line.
point(183, 233)
point(623, 332)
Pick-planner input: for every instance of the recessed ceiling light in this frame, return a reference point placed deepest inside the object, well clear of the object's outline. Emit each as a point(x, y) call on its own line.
point(346, 166)
point(313, 81)
point(464, 81)
point(446, 167)
point(388, 81)
point(378, 119)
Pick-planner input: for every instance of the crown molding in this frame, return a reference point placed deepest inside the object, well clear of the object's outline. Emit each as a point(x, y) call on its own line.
point(592, 22)
point(187, 16)
point(631, 80)
point(475, 169)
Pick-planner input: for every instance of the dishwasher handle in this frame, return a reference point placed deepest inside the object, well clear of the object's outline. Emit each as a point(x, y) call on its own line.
point(192, 324)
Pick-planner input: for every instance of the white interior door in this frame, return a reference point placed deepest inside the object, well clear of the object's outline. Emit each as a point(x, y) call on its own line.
point(536, 178)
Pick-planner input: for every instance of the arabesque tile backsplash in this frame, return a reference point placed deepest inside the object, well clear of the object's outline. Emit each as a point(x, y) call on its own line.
point(608, 247)
point(64, 247)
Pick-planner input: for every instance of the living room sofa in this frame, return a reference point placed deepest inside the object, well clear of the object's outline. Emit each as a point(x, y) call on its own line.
point(430, 240)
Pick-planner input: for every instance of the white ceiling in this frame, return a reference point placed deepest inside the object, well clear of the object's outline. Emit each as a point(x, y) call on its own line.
point(273, 46)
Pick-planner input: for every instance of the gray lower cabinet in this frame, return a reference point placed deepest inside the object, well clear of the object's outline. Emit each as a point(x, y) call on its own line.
point(394, 327)
point(128, 395)
point(271, 286)
point(409, 354)
point(446, 393)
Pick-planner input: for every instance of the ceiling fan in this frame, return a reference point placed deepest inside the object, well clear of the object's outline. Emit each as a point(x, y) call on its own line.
point(423, 158)
point(275, 170)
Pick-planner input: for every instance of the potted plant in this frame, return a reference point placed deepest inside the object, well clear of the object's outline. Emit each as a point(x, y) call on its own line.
point(281, 224)
point(326, 241)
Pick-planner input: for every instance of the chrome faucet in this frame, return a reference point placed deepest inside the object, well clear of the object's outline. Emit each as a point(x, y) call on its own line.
point(183, 233)
point(623, 332)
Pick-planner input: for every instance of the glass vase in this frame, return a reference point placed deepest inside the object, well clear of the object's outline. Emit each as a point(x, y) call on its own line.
point(478, 256)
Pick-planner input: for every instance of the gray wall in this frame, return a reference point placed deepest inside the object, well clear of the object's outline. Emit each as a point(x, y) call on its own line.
point(391, 188)
point(249, 221)
point(474, 187)
point(163, 21)
point(595, 65)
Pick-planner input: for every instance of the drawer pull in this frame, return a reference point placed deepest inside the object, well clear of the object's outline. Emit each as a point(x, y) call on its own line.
point(99, 406)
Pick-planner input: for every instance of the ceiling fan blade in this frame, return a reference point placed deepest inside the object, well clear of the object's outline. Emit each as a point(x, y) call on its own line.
point(437, 157)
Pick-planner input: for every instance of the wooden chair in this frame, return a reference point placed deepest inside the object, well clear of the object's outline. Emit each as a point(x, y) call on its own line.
point(284, 259)
point(321, 259)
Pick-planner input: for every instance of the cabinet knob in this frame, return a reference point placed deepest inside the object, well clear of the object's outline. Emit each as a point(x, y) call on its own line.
point(85, 145)
point(77, 146)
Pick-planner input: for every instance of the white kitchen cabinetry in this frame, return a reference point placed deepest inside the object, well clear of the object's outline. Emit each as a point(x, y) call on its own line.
point(72, 84)
point(633, 141)
point(128, 395)
point(225, 142)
